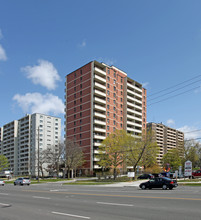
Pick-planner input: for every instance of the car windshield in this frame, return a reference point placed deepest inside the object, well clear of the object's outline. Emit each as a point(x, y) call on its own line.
point(165, 178)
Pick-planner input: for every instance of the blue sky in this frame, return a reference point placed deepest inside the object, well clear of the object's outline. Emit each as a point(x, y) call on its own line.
point(158, 43)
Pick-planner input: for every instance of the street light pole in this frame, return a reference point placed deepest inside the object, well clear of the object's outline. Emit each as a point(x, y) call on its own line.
point(38, 154)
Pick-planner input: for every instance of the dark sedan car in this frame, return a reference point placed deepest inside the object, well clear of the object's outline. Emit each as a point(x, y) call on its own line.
point(145, 176)
point(159, 182)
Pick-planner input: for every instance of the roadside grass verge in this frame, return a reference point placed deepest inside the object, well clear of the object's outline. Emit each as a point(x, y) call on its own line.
point(189, 184)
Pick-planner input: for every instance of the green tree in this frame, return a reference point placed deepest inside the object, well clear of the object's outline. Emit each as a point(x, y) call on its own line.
point(172, 158)
point(112, 151)
point(192, 152)
point(4, 164)
point(139, 149)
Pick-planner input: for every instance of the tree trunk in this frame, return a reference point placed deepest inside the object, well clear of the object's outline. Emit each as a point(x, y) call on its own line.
point(115, 173)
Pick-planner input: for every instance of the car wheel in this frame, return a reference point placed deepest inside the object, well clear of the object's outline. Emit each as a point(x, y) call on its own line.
point(150, 188)
point(143, 187)
point(14, 184)
point(28, 184)
point(170, 187)
point(164, 186)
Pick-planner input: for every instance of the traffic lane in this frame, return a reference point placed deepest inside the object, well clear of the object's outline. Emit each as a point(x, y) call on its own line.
point(110, 204)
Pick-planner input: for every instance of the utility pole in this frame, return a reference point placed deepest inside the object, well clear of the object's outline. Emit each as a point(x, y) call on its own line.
point(38, 153)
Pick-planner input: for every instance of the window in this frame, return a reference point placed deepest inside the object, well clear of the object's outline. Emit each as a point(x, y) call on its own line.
point(80, 72)
point(75, 81)
point(80, 85)
point(80, 135)
point(121, 100)
point(114, 101)
point(41, 116)
point(108, 128)
point(75, 74)
point(121, 118)
point(114, 74)
point(74, 102)
point(108, 120)
point(108, 107)
point(80, 107)
point(108, 85)
point(121, 125)
point(74, 88)
point(80, 128)
point(114, 88)
point(74, 109)
point(108, 134)
point(108, 71)
point(108, 92)
point(108, 78)
point(80, 92)
point(114, 108)
point(121, 79)
point(41, 121)
point(81, 121)
point(121, 112)
point(80, 114)
point(80, 100)
point(81, 78)
point(74, 95)
point(74, 122)
point(121, 106)
point(80, 143)
point(114, 122)
point(121, 87)
point(108, 99)
point(114, 81)
point(114, 115)
point(114, 95)
point(74, 116)
point(74, 129)
point(114, 128)
point(108, 114)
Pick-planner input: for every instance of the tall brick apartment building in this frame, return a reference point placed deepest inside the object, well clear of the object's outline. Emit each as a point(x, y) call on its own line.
point(99, 100)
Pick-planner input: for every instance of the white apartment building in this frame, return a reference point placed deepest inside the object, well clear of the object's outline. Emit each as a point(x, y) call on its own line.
point(19, 141)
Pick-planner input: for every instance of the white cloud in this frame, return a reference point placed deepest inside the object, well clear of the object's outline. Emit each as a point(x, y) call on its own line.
point(170, 122)
point(190, 132)
point(83, 44)
point(43, 74)
point(145, 84)
point(38, 103)
point(2, 54)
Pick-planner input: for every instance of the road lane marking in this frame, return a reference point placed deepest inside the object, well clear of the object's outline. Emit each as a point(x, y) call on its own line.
point(5, 205)
point(76, 216)
point(54, 190)
point(109, 195)
point(6, 194)
point(38, 197)
point(107, 203)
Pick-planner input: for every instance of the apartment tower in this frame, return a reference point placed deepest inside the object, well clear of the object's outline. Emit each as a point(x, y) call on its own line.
point(21, 139)
point(167, 138)
point(99, 100)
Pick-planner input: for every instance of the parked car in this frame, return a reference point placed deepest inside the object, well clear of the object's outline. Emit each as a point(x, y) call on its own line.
point(22, 181)
point(145, 176)
point(159, 182)
point(196, 174)
point(2, 182)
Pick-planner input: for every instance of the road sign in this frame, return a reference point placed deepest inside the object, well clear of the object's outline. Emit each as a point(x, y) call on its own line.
point(188, 168)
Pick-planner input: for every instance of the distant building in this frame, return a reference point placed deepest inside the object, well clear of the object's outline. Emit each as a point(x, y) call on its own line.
point(19, 141)
point(167, 138)
point(99, 100)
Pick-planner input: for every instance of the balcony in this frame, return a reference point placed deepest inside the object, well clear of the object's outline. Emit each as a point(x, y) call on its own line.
point(98, 107)
point(99, 93)
point(130, 104)
point(99, 79)
point(130, 91)
point(97, 167)
point(100, 86)
point(96, 136)
point(96, 159)
point(97, 129)
point(138, 89)
point(99, 122)
point(130, 85)
point(138, 95)
point(96, 69)
point(98, 100)
point(97, 144)
point(99, 115)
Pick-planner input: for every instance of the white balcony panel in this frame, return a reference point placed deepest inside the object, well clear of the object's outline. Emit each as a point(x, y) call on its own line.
point(130, 110)
point(138, 95)
point(96, 144)
point(100, 71)
point(138, 107)
point(131, 104)
point(98, 107)
point(98, 122)
point(99, 115)
point(100, 85)
point(98, 78)
point(130, 85)
point(138, 89)
point(97, 167)
point(99, 137)
point(96, 99)
point(134, 130)
point(130, 91)
point(97, 92)
point(96, 159)
point(130, 98)
point(130, 116)
point(99, 129)
point(130, 123)
point(138, 113)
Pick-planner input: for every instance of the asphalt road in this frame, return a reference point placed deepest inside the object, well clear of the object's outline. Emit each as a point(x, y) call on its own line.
point(54, 201)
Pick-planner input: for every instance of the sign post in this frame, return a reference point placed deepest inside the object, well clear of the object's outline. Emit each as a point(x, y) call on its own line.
point(188, 168)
